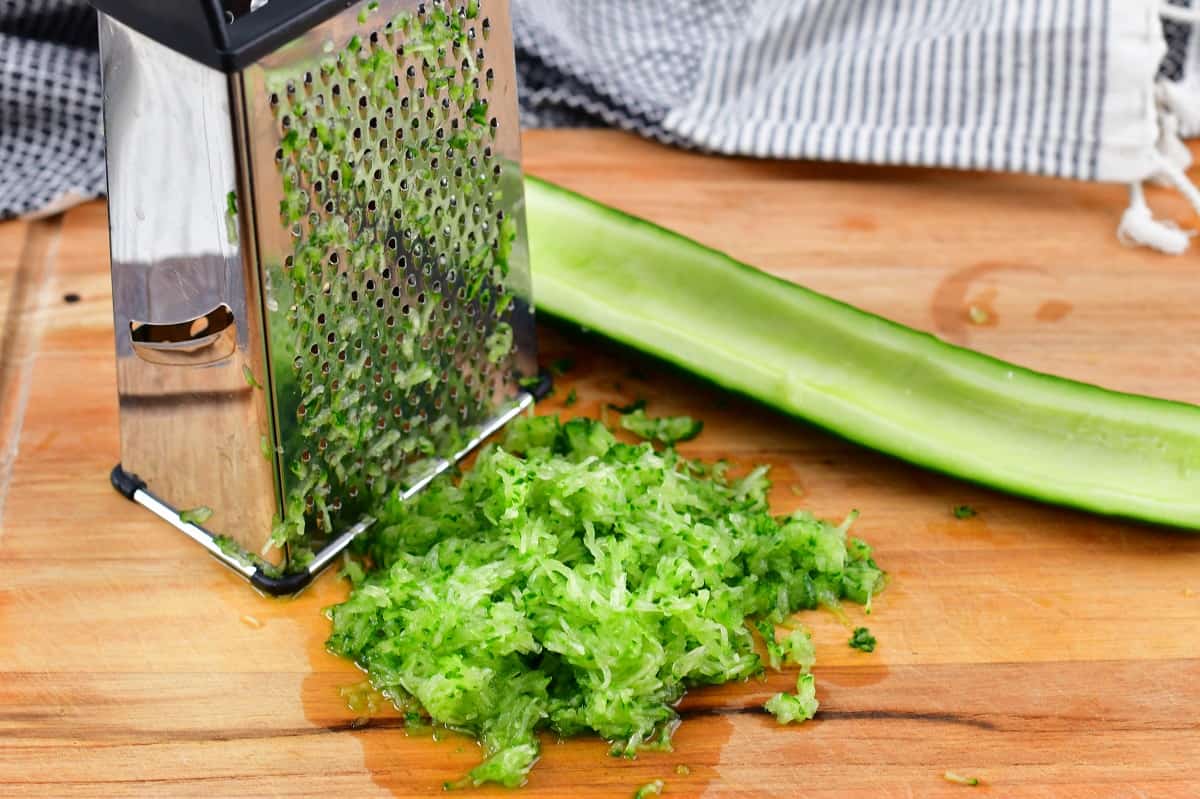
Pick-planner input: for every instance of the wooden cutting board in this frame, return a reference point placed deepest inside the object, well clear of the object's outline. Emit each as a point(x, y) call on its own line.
point(1047, 652)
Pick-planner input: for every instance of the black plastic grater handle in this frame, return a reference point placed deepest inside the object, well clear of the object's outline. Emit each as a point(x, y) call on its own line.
point(198, 28)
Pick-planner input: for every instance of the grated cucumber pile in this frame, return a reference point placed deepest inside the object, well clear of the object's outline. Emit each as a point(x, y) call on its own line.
point(575, 583)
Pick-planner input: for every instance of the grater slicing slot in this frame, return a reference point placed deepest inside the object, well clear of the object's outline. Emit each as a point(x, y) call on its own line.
point(203, 340)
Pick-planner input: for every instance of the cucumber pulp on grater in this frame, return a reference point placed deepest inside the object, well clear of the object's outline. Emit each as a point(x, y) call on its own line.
point(398, 316)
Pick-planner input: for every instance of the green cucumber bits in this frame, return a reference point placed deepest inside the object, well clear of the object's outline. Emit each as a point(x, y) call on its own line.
point(574, 583)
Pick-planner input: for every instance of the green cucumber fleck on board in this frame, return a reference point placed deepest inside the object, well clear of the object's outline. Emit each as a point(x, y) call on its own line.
point(873, 381)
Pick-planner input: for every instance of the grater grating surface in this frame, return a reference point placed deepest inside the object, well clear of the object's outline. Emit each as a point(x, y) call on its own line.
point(321, 288)
point(399, 319)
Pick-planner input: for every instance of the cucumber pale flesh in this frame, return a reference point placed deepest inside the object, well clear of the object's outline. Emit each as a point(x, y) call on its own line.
point(883, 385)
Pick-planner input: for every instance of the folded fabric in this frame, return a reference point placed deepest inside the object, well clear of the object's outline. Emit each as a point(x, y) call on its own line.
point(1056, 87)
point(1083, 89)
point(51, 138)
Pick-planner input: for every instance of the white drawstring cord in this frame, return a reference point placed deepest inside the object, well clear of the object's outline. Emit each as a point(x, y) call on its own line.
point(1170, 144)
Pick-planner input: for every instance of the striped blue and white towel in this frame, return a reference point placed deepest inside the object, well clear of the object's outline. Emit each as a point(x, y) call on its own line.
point(1057, 87)
point(1080, 89)
point(1086, 89)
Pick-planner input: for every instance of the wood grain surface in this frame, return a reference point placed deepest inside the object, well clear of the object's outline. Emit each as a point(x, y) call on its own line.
point(1047, 652)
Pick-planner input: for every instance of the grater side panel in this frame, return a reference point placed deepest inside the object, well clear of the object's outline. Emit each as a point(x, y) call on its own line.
point(384, 158)
point(191, 421)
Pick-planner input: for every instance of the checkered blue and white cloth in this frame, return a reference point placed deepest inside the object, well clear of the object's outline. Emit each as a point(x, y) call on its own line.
point(1071, 88)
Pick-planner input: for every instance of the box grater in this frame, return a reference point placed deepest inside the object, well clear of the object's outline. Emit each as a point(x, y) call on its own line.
point(321, 285)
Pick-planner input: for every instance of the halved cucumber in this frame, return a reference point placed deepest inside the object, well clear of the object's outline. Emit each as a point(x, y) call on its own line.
point(870, 380)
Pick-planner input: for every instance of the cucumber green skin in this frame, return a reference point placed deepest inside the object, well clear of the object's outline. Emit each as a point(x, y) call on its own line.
point(875, 382)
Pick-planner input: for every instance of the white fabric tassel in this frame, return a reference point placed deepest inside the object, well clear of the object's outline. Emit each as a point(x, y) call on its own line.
point(1138, 226)
point(1177, 109)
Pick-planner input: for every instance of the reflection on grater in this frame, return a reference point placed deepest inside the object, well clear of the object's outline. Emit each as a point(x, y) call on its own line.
point(321, 285)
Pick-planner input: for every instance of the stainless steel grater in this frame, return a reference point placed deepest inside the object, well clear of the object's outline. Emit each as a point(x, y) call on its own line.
point(321, 285)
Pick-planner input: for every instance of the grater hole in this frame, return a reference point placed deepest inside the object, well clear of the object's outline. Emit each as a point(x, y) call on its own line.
point(421, 211)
